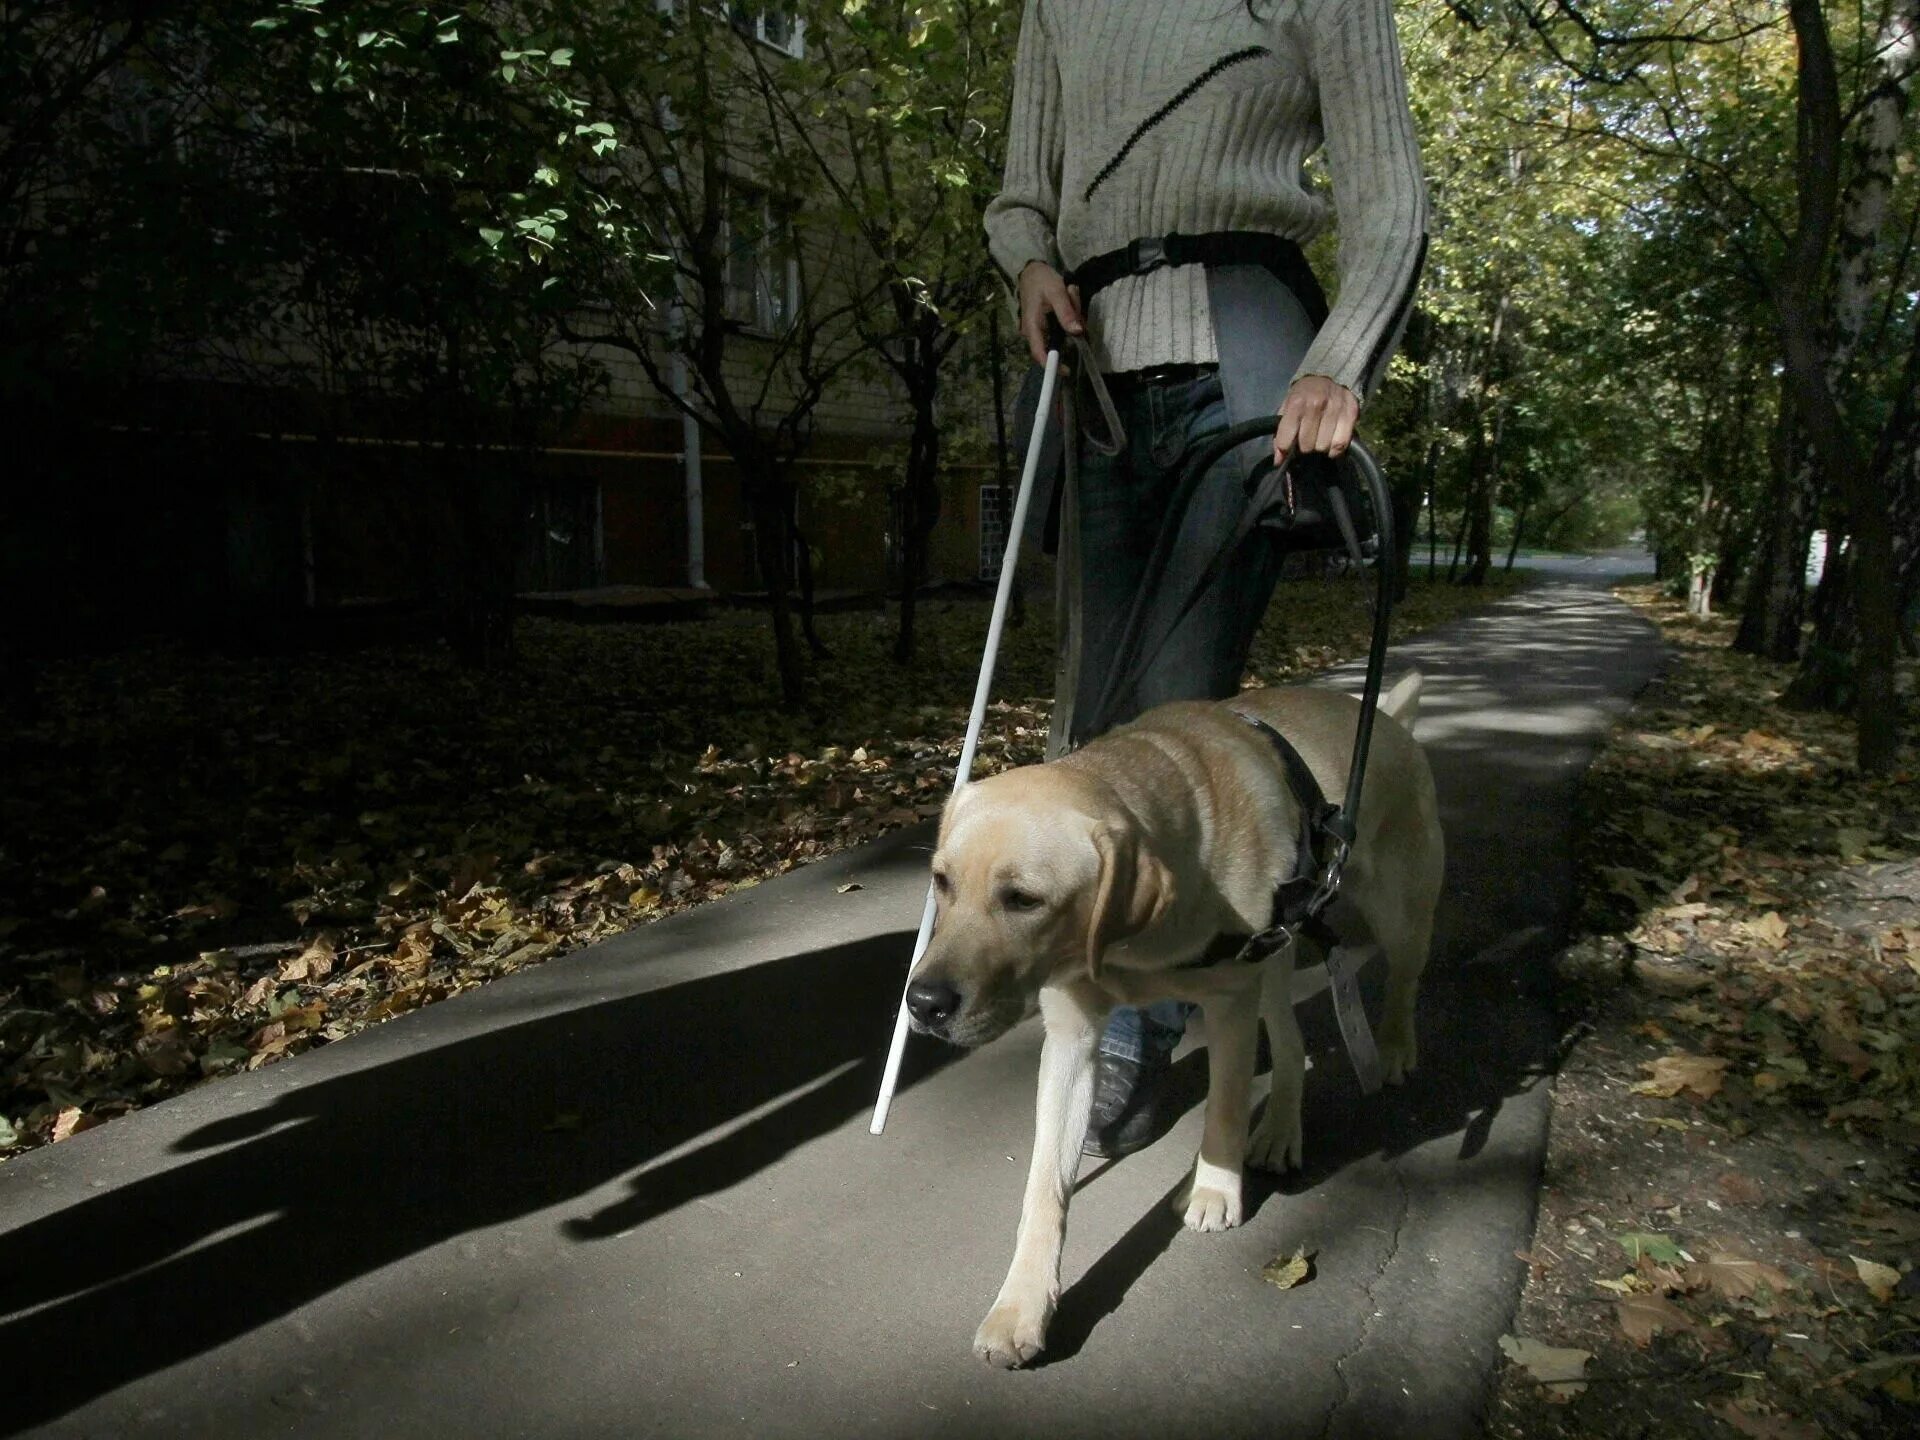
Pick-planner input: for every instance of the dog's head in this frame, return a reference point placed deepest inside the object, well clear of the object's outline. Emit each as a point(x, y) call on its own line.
point(1037, 872)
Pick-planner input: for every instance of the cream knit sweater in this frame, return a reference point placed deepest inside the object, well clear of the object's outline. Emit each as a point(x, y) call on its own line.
point(1139, 118)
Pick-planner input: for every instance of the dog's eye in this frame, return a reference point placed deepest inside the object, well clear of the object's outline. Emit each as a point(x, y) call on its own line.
point(1020, 899)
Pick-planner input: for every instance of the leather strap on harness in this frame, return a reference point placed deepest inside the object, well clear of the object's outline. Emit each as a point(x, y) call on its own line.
point(1326, 836)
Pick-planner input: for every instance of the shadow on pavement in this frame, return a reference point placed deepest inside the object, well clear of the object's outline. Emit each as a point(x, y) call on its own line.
point(686, 1090)
point(345, 1176)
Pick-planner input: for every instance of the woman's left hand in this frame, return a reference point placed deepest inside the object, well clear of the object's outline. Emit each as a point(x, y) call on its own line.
point(1317, 417)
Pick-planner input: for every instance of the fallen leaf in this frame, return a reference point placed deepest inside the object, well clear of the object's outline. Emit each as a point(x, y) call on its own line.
point(312, 964)
point(1285, 1272)
point(1671, 1074)
point(1735, 1277)
point(70, 1122)
point(1879, 1279)
point(1644, 1316)
point(1558, 1369)
point(1655, 1247)
point(850, 885)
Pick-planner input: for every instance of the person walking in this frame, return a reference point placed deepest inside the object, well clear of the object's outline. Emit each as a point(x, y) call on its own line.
point(1154, 203)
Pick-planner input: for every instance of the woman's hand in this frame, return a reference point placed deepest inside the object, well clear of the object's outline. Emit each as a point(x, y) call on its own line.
point(1317, 417)
point(1043, 293)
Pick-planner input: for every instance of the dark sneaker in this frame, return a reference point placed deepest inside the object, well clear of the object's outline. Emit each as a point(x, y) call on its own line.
point(1129, 1105)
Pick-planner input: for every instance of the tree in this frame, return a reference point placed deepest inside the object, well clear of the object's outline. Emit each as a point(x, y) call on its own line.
point(710, 272)
point(901, 114)
point(1705, 95)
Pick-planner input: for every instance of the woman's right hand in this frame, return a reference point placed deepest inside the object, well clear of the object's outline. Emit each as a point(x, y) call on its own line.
point(1044, 294)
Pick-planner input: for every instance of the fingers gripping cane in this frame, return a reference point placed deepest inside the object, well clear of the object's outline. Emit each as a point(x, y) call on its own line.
point(963, 771)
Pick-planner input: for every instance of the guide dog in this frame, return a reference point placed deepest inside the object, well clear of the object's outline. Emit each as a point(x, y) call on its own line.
point(1091, 881)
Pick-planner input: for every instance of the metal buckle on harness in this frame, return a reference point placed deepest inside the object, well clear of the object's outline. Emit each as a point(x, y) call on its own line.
point(1327, 883)
point(1147, 253)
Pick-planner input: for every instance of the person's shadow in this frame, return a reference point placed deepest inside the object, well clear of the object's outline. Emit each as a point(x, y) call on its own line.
point(340, 1178)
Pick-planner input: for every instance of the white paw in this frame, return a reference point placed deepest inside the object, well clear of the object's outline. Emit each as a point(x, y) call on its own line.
point(1275, 1145)
point(1010, 1336)
point(1213, 1199)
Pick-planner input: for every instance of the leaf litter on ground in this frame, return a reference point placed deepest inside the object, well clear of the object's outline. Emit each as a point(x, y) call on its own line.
point(215, 862)
point(1739, 1108)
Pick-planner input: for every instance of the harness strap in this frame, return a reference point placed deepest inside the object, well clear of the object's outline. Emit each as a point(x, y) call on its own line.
point(1299, 899)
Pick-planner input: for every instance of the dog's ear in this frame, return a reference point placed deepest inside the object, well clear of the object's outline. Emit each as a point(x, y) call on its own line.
point(1134, 891)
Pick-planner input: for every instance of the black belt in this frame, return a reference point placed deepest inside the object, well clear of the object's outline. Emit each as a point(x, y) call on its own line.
point(1220, 247)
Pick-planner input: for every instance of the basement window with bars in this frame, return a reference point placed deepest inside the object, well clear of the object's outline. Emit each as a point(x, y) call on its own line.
point(993, 530)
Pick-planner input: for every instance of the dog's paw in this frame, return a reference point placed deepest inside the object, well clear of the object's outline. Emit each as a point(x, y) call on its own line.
point(1010, 1337)
point(1399, 1052)
point(1212, 1201)
point(1275, 1146)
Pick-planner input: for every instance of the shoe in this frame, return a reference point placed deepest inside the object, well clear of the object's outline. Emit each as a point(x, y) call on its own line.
point(1129, 1105)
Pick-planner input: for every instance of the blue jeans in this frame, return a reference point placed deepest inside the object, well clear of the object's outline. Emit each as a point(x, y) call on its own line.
point(1123, 500)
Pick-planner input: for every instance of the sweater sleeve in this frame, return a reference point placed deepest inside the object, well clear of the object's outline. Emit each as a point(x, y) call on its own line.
point(1379, 193)
point(1020, 220)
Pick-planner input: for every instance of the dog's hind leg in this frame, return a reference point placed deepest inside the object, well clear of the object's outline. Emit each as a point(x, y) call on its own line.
point(1015, 1330)
point(1276, 1142)
point(1406, 958)
point(1213, 1201)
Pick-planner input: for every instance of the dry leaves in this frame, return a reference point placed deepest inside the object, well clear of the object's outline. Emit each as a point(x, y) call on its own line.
point(1879, 1279)
point(175, 811)
point(1670, 1074)
point(1557, 1369)
point(1735, 1277)
point(1642, 1317)
point(1283, 1272)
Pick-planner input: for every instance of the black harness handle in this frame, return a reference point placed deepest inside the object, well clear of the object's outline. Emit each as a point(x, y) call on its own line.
point(1267, 484)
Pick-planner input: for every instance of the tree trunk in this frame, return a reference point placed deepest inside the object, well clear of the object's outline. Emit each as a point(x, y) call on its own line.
point(1777, 589)
point(773, 548)
point(1433, 512)
point(803, 572)
point(1870, 561)
point(1700, 591)
point(920, 513)
point(1519, 525)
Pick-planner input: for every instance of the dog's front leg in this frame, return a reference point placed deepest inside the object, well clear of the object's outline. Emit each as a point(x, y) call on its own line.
point(1214, 1199)
point(1015, 1330)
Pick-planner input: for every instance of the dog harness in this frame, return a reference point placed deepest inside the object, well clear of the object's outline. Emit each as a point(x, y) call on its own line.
point(1299, 900)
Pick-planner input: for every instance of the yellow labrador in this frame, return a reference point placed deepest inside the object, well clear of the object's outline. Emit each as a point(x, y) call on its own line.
point(1087, 883)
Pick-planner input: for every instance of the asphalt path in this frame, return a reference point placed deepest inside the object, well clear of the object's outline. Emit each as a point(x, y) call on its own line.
point(632, 1192)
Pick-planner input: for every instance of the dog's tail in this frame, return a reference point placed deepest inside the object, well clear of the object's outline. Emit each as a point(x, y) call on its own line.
point(1403, 701)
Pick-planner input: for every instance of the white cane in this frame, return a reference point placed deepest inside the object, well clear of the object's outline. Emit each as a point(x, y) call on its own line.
point(1016, 528)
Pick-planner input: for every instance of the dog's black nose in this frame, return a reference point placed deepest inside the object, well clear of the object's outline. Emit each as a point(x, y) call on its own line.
point(932, 1002)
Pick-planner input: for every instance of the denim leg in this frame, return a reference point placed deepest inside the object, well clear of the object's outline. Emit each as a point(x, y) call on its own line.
point(1154, 1030)
point(1123, 502)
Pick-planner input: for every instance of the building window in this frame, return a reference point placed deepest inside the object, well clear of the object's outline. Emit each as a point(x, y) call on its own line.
point(763, 265)
point(993, 530)
point(781, 29)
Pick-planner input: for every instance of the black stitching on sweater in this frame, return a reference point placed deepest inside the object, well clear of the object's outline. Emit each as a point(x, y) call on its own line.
point(1140, 131)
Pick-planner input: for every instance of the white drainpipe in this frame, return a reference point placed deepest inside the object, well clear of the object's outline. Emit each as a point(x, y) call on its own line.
point(690, 470)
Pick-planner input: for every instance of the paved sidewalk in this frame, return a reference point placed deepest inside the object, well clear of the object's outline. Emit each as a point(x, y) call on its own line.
point(632, 1192)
